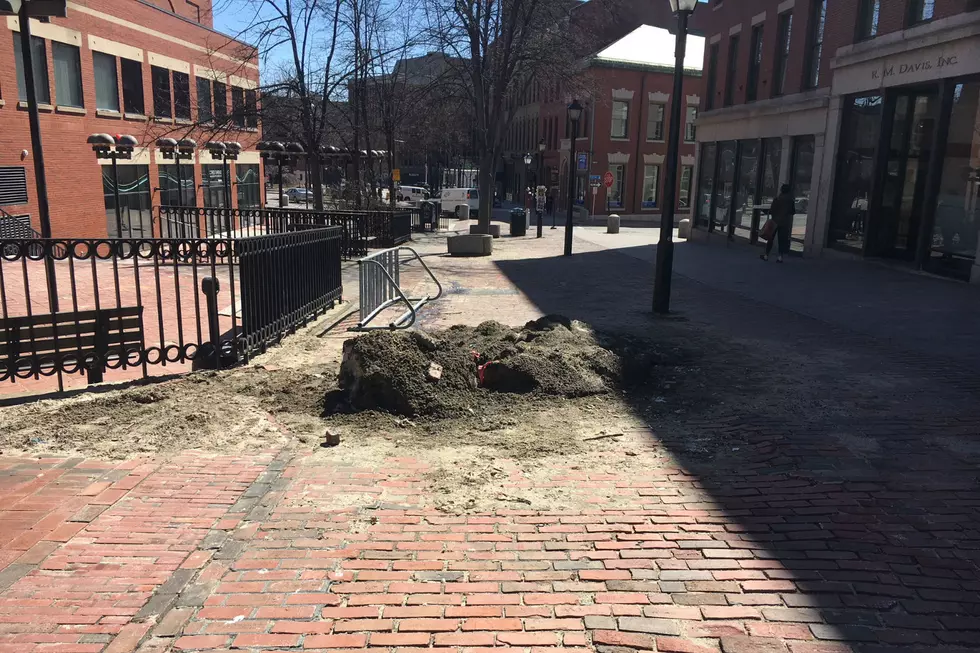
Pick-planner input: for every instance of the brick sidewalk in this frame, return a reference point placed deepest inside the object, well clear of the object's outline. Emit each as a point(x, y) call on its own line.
point(830, 532)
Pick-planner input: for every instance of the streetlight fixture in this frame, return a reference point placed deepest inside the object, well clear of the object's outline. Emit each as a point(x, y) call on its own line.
point(574, 115)
point(277, 152)
point(539, 177)
point(665, 248)
point(177, 151)
point(120, 146)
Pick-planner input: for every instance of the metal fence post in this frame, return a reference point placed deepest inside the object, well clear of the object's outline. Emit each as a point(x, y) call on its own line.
point(210, 288)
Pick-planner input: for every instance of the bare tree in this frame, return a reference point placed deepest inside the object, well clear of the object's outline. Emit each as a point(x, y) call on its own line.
point(500, 48)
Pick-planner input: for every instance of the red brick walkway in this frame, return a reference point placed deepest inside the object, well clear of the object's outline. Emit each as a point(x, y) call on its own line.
point(832, 534)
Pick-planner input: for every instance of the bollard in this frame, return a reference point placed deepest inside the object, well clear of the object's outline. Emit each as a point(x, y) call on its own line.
point(539, 223)
point(210, 288)
point(612, 224)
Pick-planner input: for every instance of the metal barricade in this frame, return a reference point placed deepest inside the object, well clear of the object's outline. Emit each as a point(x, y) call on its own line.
point(380, 288)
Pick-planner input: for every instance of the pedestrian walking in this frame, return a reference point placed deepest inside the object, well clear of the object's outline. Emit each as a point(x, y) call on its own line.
point(780, 223)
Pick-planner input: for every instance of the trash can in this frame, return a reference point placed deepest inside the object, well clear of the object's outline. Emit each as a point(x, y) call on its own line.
point(518, 222)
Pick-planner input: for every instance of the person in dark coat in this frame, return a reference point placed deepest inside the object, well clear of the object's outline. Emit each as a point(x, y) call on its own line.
point(782, 210)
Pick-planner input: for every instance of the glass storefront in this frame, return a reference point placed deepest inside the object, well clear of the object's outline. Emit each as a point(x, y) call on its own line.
point(136, 216)
point(170, 182)
point(748, 175)
point(725, 185)
point(855, 171)
point(953, 245)
point(706, 184)
point(801, 180)
point(248, 182)
point(213, 181)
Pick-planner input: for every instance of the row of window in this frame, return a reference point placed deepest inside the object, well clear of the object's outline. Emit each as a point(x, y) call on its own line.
point(135, 193)
point(866, 27)
point(171, 88)
point(655, 121)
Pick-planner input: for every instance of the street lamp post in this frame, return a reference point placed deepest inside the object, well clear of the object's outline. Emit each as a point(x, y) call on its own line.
point(526, 187)
point(114, 148)
point(540, 179)
point(277, 152)
point(665, 248)
point(574, 114)
point(178, 151)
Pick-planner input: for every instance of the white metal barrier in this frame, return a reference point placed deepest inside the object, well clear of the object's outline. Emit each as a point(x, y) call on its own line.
point(379, 281)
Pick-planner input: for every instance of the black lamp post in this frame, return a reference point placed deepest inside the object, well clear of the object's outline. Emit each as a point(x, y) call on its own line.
point(114, 148)
point(574, 115)
point(277, 152)
point(665, 248)
point(540, 180)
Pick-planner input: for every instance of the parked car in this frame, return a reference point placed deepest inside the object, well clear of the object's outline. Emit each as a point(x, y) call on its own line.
point(299, 194)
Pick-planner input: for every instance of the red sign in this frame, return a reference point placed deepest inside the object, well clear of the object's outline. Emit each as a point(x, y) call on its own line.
point(607, 179)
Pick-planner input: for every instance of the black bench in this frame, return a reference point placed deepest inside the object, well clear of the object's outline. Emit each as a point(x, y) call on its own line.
point(90, 338)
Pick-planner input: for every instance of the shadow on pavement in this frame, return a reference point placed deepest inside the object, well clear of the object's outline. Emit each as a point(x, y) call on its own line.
point(841, 451)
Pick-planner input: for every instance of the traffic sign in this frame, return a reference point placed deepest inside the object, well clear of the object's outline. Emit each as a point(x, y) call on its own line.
point(396, 174)
point(608, 179)
point(595, 181)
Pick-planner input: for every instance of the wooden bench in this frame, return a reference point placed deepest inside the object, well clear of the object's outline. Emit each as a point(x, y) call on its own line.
point(52, 340)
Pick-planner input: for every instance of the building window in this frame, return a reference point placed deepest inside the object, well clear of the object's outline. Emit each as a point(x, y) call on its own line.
point(252, 110)
point(755, 64)
point(106, 82)
point(655, 122)
point(620, 118)
point(706, 183)
point(40, 61)
point(67, 75)
point(247, 177)
point(161, 92)
point(800, 178)
point(732, 67)
point(784, 29)
point(134, 201)
point(921, 11)
point(132, 84)
point(182, 96)
point(204, 100)
point(220, 102)
point(651, 177)
point(709, 99)
point(815, 40)
point(170, 194)
point(614, 196)
point(860, 129)
point(238, 106)
point(690, 129)
point(213, 181)
point(868, 12)
point(684, 194)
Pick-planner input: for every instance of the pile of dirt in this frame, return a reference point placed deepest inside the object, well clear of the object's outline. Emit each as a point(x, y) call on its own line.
point(555, 356)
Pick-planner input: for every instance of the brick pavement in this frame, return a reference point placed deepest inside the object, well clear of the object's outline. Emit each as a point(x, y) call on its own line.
point(841, 530)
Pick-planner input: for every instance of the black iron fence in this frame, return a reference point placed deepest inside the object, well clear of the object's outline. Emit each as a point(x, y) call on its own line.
point(361, 230)
point(84, 307)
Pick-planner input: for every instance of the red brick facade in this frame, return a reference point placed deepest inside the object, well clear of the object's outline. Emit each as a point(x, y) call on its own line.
point(547, 120)
point(716, 20)
point(74, 179)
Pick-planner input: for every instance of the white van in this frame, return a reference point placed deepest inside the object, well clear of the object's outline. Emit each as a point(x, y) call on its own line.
point(450, 197)
point(411, 194)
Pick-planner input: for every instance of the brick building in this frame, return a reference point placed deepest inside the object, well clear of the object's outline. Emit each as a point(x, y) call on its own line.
point(148, 69)
point(623, 129)
point(868, 108)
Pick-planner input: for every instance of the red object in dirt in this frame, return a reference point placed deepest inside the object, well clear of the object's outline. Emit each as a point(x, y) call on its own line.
point(479, 371)
point(608, 179)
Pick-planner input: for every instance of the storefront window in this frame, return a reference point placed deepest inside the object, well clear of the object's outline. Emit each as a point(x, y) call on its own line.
point(953, 245)
point(706, 183)
point(855, 171)
point(247, 178)
point(614, 198)
point(134, 201)
point(651, 177)
point(684, 192)
point(169, 185)
point(803, 147)
point(213, 180)
point(771, 160)
point(748, 174)
point(725, 186)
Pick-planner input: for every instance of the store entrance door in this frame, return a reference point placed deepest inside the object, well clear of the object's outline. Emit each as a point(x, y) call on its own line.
point(907, 143)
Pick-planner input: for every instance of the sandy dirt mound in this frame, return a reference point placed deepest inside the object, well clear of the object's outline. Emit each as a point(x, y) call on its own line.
point(392, 371)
